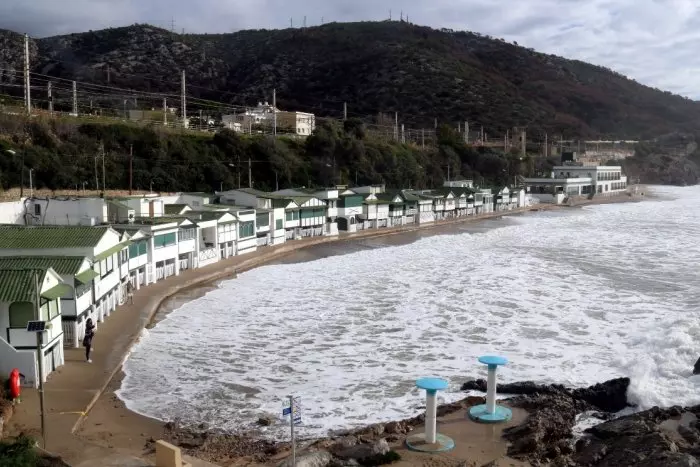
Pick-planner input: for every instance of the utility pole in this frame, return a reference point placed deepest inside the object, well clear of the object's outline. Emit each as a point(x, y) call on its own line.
point(291, 22)
point(40, 357)
point(482, 134)
point(304, 22)
point(109, 75)
point(31, 184)
point(131, 167)
point(345, 110)
point(102, 150)
point(448, 172)
point(27, 85)
point(97, 182)
point(165, 111)
point(436, 123)
point(403, 134)
point(183, 102)
point(50, 95)
point(459, 127)
point(396, 126)
point(274, 111)
point(466, 132)
point(546, 148)
point(422, 137)
point(250, 173)
point(75, 98)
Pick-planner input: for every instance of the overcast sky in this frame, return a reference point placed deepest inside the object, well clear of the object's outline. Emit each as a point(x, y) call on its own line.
point(655, 42)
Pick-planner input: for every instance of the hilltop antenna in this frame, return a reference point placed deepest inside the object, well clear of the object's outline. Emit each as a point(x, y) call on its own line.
point(389, 15)
point(321, 20)
point(172, 24)
point(291, 22)
point(401, 16)
point(304, 22)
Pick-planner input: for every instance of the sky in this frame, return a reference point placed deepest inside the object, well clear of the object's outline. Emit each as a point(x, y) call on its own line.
point(652, 41)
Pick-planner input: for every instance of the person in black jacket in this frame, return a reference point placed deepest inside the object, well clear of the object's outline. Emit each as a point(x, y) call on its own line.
point(87, 340)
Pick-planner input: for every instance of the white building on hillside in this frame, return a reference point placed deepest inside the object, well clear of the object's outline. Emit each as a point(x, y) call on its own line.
point(570, 181)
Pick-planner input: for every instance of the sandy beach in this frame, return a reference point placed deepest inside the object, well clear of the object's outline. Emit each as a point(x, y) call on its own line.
point(81, 398)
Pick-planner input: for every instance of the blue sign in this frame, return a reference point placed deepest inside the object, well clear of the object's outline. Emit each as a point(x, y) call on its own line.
point(286, 410)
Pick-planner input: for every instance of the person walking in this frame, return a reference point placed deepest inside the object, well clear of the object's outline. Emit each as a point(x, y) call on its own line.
point(129, 292)
point(87, 340)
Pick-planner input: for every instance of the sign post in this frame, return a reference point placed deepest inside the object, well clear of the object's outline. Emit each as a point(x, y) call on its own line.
point(294, 412)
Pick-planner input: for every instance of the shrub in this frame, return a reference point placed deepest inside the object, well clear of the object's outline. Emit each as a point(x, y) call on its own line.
point(18, 453)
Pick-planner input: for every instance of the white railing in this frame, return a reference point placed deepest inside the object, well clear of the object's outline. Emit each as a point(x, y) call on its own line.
point(184, 264)
point(69, 333)
point(160, 273)
point(169, 270)
point(263, 241)
point(209, 253)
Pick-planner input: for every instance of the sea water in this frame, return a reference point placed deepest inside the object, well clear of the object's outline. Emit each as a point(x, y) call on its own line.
point(574, 297)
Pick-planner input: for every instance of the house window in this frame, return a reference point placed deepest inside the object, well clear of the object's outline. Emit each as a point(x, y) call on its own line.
point(246, 229)
point(160, 241)
point(279, 224)
point(37, 210)
point(20, 314)
point(124, 256)
point(263, 219)
point(53, 309)
point(81, 289)
point(186, 234)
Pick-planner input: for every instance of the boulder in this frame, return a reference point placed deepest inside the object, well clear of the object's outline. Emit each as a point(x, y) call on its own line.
point(267, 420)
point(311, 459)
point(610, 396)
point(364, 451)
point(696, 368)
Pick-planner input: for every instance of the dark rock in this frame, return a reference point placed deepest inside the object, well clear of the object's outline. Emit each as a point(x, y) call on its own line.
point(395, 428)
point(267, 420)
point(690, 435)
point(591, 454)
point(696, 368)
point(363, 451)
point(610, 396)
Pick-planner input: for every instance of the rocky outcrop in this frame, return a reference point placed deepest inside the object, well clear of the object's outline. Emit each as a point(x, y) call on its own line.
point(652, 438)
point(696, 368)
point(610, 396)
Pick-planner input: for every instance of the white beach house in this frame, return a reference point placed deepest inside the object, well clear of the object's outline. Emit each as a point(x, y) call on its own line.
point(76, 304)
point(262, 202)
point(101, 245)
point(350, 211)
point(18, 306)
point(328, 195)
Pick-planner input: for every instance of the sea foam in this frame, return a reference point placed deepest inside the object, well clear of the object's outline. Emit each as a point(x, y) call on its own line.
point(573, 297)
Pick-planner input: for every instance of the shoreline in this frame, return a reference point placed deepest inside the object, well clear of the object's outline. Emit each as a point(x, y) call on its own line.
point(105, 411)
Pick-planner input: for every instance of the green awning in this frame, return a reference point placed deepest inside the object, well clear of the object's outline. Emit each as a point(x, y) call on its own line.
point(56, 291)
point(111, 251)
point(86, 276)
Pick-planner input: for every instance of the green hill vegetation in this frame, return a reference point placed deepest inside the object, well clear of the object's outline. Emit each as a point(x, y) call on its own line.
point(420, 72)
point(65, 154)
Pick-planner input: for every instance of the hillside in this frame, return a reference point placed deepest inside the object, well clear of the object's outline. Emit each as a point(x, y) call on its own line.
point(374, 66)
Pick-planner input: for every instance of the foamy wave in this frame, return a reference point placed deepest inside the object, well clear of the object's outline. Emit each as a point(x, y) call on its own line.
point(572, 297)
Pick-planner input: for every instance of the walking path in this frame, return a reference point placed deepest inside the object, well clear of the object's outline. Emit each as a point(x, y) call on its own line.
point(73, 389)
